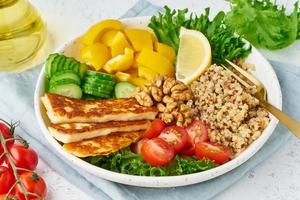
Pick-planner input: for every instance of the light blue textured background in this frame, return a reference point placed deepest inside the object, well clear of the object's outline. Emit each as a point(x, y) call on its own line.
point(16, 102)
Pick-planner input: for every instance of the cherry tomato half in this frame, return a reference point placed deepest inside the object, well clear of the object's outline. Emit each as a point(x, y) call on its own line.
point(175, 136)
point(23, 157)
point(156, 127)
point(7, 179)
point(197, 132)
point(217, 153)
point(5, 130)
point(32, 183)
point(137, 147)
point(157, 152)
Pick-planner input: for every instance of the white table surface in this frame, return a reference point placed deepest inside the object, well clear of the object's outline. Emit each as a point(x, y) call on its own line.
point(276, 178)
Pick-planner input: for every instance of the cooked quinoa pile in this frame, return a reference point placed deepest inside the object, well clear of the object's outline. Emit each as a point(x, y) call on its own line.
point(233, 116)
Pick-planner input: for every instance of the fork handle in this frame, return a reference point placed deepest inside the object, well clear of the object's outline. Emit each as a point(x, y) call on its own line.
point(289, 122)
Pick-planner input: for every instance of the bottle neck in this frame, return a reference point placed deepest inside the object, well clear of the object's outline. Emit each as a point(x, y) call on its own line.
point(7, 3)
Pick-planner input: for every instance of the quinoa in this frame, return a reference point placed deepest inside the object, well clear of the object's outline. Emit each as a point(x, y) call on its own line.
point(233, 115)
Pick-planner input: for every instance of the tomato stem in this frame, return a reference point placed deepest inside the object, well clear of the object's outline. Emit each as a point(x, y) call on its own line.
point(2, 155)
point(23, 169)
point(12, 164)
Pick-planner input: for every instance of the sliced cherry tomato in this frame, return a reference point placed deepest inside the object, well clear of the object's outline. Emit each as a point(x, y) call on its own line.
point(33, 183)
point(157, 152)
point(23, 157)
point(214, 152)
point(175, 136)
point(137, 147)
point(7, 179)
point(6, 131)
point(156, 127)
point(197, 132)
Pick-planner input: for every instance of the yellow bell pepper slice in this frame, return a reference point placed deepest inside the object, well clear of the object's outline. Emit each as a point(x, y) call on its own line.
point(166, 51)
point(146, 73)
point(96, 55)
point(118, 44)
point(156, 62)
point(139, 39)
point(108, 36)
point(122, 76)
point(138, 81)
point(96, 30)
point(120, 62)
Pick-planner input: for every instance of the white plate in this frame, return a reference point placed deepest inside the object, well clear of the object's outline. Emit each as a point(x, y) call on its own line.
point(264, 72)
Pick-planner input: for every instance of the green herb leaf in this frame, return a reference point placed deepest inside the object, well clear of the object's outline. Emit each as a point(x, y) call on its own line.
point(127, 162)
point(224, 43)
point(263, 23)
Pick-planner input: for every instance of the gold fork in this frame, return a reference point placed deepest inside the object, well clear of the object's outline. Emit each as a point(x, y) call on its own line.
point(248, 81)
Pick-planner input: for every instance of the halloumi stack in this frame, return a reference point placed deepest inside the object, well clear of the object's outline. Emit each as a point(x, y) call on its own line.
point(74, 132)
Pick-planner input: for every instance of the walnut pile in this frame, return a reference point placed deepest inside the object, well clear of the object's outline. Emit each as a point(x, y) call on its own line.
point(170, 96)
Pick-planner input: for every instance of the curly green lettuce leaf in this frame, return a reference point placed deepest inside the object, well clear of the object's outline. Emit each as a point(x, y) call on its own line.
point(263, 23)
point(127, 162)
point(224, 42)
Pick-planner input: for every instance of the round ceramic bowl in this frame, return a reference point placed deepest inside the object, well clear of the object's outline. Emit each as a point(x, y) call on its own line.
point(264, 72)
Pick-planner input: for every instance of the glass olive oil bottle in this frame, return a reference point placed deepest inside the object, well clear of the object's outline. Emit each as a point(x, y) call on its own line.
point(22, 34)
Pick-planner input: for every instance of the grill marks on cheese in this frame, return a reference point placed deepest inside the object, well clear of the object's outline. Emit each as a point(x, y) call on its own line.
point(62, 109)
point(74, 132)
point(103, 145)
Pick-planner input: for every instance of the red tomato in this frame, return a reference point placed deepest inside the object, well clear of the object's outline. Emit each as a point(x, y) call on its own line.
point(7, 179)
point(23, 157)
point(157, 152)
point(136, 147)
point(5, 130)
point(197, 132)
point(32, 183)
point(176, 137)
point(214, 152)
point(156, 127)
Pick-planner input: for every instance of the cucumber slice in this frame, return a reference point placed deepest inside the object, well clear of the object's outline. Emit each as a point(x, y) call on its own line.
point(49, 62)
point(104, 88)
point(95, 92)
point(124, 90)
point(91, 80)
point(66, 87)
point(65, 75)
point(68, 63)
point(99, 75)
point(82, 70)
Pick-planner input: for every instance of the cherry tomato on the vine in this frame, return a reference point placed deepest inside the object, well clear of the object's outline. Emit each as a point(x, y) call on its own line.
point(33, 183)
point(7, 133)
point(7, 179)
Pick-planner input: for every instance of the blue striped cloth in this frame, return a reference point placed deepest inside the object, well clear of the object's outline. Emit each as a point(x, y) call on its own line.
point(16, 102)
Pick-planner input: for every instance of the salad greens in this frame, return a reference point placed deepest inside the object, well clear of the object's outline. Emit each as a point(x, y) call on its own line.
point(223, 41)
point(127, 162)
point(263, 23)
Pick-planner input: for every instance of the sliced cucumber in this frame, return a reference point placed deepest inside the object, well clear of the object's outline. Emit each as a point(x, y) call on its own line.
point(49, 61)
point(99, 75)
point(104, 88)
point(92, 81)
point(95, 92)
point(124, 90)
point(66, 87)
point(65, 75)
point(82, 70)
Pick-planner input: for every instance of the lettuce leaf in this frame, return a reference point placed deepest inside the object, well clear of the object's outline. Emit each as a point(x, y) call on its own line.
point(263, 23)
point(224, 42)
point(127, 162)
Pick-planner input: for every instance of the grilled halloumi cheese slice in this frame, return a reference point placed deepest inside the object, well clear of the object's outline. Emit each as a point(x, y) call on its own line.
point(74, 132)
point(62, 109)
point(102, 145)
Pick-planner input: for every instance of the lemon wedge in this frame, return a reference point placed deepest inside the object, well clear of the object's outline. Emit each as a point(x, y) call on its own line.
point(194, 55)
